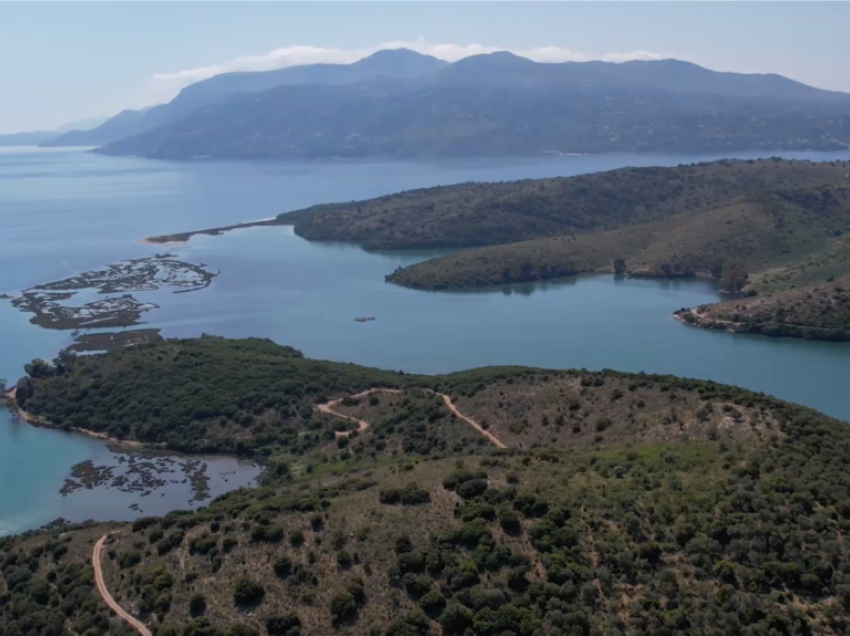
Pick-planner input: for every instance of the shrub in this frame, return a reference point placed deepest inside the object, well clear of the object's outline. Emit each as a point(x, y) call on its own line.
point(241, 629)
point(414, 624)
point(410, 495)
point(432, 602)
point(472, 488)
point(267, 534)
point(344, 559)
point(247, 593)
point(200, 627)
point(343, 607)
point(283, 566)
point(456, 619)
point(509, 520)
point(284, 625)
point(202, 544)
point(197, 605)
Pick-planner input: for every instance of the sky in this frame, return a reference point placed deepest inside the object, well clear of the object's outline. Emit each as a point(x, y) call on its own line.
point(64, 62)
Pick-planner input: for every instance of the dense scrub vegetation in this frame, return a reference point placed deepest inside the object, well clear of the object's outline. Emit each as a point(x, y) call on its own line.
point(254, 397)
point(750, 234)
point(202, 395)
point(477, 214)
point(626, 504)
point(813, 312)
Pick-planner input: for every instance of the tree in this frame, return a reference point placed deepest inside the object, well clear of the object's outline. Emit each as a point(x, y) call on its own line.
point(734, 278)
point(619, 266)
point(456, 619)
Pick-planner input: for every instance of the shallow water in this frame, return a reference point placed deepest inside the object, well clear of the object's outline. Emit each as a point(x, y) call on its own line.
point(35, 462)
point(64, 212)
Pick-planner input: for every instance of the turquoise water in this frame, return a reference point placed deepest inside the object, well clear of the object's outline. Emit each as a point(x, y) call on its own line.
point(63, 212)
point(34, 464)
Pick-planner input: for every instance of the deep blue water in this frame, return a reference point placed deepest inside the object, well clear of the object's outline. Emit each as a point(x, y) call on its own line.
point(63, 212)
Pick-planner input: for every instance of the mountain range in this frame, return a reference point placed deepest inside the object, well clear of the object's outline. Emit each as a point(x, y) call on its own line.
point(392, 64)
point(404, 104)
point(36, 137)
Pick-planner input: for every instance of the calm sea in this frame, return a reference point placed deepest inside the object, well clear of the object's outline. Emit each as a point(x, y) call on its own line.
point(67, 211)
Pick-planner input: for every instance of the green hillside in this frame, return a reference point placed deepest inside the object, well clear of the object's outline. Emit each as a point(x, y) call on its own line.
point(753, 233)
point(622, 504)
point(478, 214)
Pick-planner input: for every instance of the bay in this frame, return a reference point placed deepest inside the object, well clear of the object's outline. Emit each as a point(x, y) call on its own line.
point(66, 211)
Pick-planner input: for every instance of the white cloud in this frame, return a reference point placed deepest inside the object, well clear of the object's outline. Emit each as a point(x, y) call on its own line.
point(163, 87)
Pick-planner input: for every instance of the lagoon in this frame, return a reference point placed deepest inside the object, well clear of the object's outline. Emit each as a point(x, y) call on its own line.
point(66, 211)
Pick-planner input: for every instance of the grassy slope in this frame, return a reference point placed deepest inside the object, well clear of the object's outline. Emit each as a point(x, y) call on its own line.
point(636, 504)
point(477, 214)
point(819, 312)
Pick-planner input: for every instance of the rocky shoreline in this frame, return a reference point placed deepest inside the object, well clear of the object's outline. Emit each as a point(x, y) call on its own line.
point(695, 317)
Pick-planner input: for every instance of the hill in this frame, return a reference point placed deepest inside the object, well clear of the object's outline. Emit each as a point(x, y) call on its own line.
point(752, 233)
point(814, 312)
point(622, 504)
point(399, 63)
point(479, 214)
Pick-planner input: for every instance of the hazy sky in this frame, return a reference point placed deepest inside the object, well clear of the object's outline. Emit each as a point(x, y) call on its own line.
point(64, 62)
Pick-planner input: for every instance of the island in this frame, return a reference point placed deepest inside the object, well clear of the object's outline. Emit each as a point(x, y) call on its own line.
point(491, 501)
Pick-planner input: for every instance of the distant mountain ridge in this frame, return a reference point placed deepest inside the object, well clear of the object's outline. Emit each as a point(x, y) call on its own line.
point(398, 63)
point(36, 137)
point(403, 104)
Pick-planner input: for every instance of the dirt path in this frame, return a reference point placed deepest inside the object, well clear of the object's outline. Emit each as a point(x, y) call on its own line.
point(493, 439)
point(104, 592)
point(362, 425)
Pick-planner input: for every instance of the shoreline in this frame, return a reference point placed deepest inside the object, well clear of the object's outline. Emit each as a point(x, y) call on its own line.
point(181, 238)
point(728, 326)
point(632, 275)
point(9, 399)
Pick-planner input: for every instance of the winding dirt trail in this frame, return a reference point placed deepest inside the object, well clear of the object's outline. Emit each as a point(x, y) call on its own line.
point(104, 592)
point(362, 425)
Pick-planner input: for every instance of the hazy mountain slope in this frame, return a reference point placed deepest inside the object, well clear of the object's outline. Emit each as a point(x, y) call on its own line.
point(399, 63)
point(125, 122)
point(504, 104)
point(26, 138)
point(666, 75)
